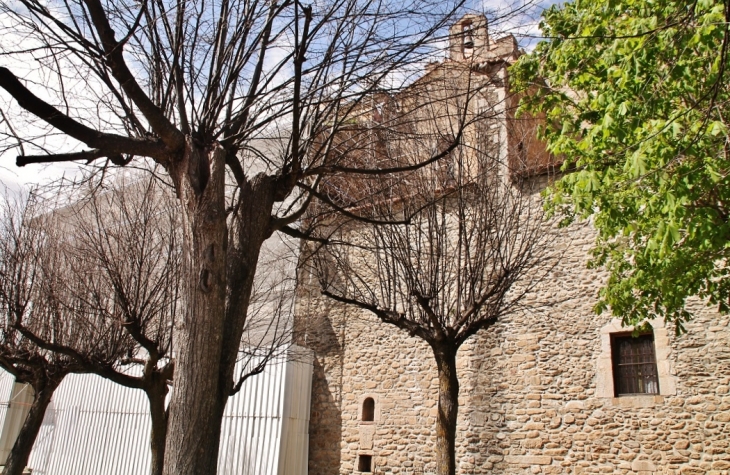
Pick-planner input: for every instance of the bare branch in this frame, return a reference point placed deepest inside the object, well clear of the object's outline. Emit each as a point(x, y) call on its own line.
point(108, 144)
point(115, 60)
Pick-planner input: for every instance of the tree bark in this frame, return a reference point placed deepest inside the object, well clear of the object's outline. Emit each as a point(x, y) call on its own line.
point(20, 453)
point(218, 281)
point(156, 396)
point(195, 405)
point(448, 409)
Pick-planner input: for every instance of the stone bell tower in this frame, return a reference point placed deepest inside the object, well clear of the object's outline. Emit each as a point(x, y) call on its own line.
point(469, 39)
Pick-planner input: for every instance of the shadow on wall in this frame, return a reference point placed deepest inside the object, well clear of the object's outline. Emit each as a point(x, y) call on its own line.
point(325, 424)
point(315, 331)
point(482, 421)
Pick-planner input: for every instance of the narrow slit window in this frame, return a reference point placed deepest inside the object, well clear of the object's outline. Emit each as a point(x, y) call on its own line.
point(368, 410)
point(365, 463)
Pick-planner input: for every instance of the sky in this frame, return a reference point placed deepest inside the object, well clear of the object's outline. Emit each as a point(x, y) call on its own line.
point(524, 26)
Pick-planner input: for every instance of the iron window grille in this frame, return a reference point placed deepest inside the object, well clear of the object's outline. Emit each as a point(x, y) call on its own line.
point(634, 365)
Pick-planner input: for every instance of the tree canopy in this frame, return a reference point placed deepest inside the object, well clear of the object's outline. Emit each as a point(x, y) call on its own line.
point(634, 97)
point(240, 103)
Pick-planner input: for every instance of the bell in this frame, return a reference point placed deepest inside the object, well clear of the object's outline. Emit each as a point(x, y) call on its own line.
point(468, 37)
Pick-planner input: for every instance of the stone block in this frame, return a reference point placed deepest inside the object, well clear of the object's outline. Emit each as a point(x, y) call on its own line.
point(573, 406)
point(528, 459)
point(643, 466)
point(723, 417)
point(691, 471)
point(366, 437)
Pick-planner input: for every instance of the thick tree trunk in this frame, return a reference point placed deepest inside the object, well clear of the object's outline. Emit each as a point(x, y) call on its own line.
point(448, 409)
point(19, 454)
point(195, 406)
point(158, 435)
point(219, 280)
point(251, 229)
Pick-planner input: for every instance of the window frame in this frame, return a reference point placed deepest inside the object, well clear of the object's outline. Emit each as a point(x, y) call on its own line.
point(638, 369)
point(604, 384)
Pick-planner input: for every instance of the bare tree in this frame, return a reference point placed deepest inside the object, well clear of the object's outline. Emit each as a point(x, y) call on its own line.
point(193, 86)
point(464, 245)
point(28, 293)
point(105, 262)
point(120, 270)
point(124, 250)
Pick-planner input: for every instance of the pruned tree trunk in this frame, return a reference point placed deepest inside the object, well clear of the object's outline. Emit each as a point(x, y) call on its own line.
point(218, 271)
point(158, 435)
point(20, 453)
point(448, 409)
point(196, 407)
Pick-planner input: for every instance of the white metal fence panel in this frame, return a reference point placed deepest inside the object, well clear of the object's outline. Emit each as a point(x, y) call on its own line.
point(94, 426)
point(6, 386)
point(17, 399)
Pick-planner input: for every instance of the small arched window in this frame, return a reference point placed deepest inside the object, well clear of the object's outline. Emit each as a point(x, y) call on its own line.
point(368, 409)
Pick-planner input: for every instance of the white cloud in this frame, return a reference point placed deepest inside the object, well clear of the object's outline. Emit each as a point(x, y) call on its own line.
point(520, 18)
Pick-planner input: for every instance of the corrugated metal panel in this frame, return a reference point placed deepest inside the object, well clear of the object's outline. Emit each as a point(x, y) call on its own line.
point(293, 458)
point(251, 430)
point(6, 387)
point(96, 427)
point(19, 402)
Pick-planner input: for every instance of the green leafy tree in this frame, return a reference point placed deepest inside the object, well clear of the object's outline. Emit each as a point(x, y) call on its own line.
point(634, 96)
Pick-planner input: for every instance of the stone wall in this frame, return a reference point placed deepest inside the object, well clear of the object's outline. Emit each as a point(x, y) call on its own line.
point(536, 388)
point(531, 397)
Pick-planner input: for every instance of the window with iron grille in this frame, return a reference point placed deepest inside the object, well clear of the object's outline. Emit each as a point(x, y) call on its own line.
point(634, 365)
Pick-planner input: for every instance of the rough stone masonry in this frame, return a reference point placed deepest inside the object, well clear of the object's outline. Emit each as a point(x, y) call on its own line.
point(537, 389)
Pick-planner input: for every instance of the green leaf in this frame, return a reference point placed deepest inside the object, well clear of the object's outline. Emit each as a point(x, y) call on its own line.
point(716, 128)
point(644, 123)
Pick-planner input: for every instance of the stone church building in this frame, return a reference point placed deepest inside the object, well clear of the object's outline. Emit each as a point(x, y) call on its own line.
point(556, 389)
